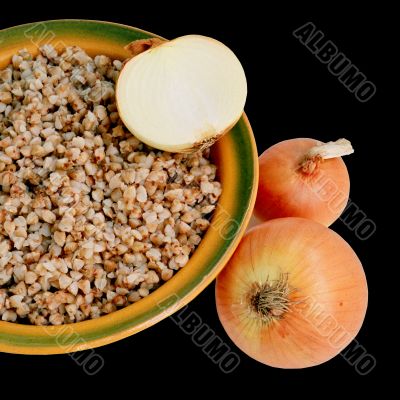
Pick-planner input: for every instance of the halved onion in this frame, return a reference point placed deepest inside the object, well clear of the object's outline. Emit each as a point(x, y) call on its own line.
point(181, 95)
point(293, 295)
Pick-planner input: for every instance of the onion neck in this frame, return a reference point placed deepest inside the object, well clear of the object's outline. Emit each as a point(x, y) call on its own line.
point(324, 151)
point(270, 300)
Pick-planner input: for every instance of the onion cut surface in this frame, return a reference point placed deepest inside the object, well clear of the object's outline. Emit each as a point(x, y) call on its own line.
point(182, 95)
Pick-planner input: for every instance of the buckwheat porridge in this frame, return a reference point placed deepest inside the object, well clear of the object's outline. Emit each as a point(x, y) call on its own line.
point(91, 219)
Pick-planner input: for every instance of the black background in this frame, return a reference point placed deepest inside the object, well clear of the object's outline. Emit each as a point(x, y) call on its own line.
point(291, 94)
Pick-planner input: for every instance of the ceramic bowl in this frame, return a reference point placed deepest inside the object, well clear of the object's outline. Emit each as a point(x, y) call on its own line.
point(236, 157)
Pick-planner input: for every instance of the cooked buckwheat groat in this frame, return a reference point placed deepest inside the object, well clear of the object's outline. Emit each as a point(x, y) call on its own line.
point(91, 219)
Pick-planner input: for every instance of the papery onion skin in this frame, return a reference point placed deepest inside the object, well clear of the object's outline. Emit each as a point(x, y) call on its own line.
point(182, 95)
point(328, 299)
point(285, 191)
